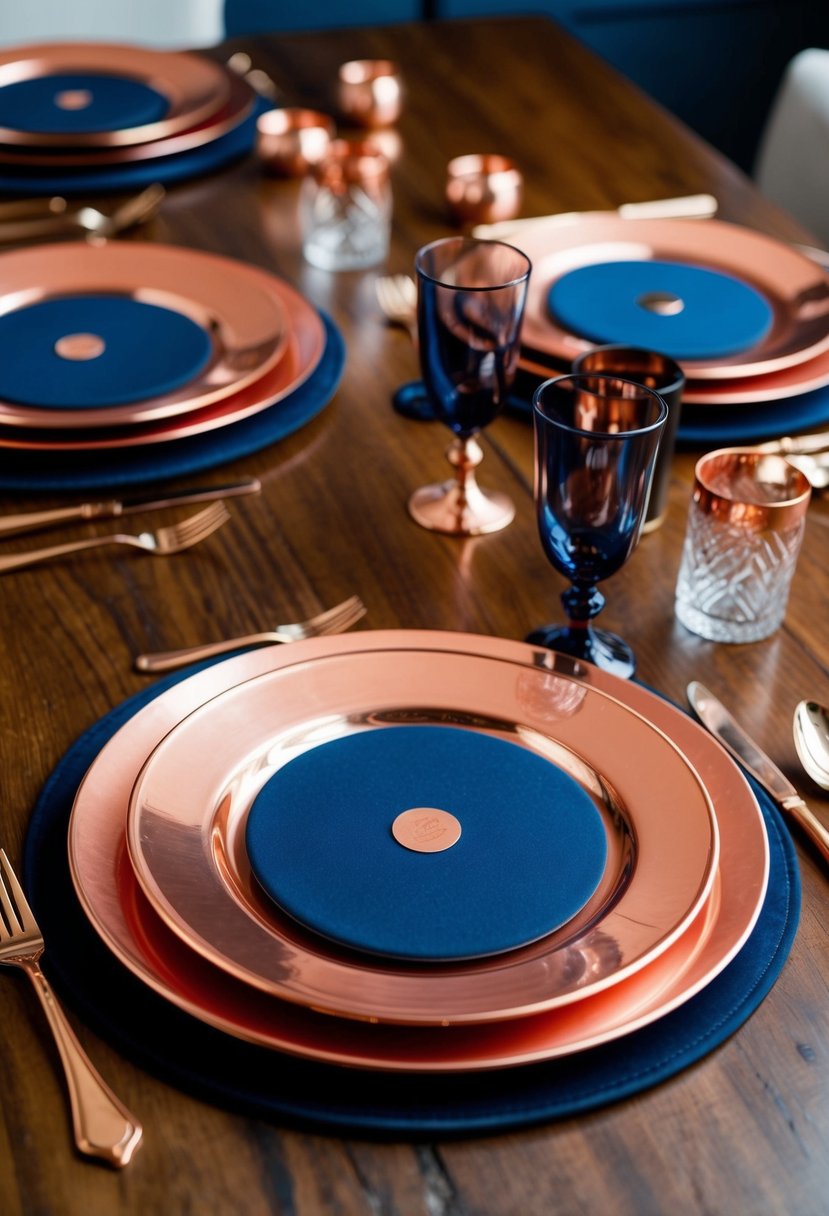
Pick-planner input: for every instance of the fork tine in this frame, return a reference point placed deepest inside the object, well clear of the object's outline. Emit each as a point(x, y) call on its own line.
point(340, 623)
point(197, 527)
point(334, 614)
point(22, 919)
point(196, 524)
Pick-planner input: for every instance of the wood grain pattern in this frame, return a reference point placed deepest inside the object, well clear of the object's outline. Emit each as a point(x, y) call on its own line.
point(745, 1130)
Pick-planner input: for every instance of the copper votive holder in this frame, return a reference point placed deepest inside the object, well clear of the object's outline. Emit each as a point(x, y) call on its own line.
point(370, 92)
point(482, 189)
point(290, 141)
point(745, 525)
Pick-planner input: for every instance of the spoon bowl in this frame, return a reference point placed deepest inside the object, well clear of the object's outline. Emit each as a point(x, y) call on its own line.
point(815, 467)
point(811, 738)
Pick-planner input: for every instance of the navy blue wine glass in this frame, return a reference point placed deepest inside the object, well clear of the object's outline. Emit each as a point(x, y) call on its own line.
point(470, 305)
point(596, 439)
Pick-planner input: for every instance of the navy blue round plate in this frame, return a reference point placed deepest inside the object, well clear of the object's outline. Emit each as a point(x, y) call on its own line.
point(145, 351)
point(605, 302)
point(79, 103)
point(531, 852)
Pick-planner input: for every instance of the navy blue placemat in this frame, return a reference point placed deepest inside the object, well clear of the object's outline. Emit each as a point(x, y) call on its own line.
point(62, 472)
point(259, 1082)
point(531, 851)
point(717, 314)
point(136, 174)
point(699, 426)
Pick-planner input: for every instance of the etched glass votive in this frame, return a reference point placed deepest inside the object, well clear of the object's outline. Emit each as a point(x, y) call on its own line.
point(745, 526)
point(346, 207)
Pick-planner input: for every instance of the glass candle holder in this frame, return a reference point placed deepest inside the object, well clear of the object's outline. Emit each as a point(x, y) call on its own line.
point(345, 207)
point(745, 527)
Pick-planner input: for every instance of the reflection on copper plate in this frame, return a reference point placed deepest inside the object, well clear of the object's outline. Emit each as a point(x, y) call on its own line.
point(193, 86)
point(796, 288)
point(239, 307)
point(108, 891)
point(228, 117)
point(189, 808)
point(774, 386)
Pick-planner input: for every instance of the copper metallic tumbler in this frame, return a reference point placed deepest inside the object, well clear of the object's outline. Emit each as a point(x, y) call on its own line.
point(658, 372)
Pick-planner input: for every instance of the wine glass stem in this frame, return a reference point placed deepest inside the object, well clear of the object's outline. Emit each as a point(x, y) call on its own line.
point(465, 455)
point(582, 602)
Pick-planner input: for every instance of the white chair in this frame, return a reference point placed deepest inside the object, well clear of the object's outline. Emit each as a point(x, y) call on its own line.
point(792, 166)
point(163, 23)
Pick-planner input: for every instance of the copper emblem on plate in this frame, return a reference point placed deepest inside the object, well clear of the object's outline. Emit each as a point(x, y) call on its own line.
point(426, 829)
point(80, 347)
point(73, 99)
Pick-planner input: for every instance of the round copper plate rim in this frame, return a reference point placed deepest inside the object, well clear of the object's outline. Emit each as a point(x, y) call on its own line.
point(189, 807)
point(195, 87)
point(253, 329)
point(755, 390)
point(117, 910)
point(232, 114)
point(796, 288)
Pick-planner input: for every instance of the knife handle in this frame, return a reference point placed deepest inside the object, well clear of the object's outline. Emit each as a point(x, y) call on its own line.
point(810, 824)
point(15, 525)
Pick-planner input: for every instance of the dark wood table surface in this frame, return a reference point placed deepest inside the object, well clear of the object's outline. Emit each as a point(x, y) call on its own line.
point(745, 1130)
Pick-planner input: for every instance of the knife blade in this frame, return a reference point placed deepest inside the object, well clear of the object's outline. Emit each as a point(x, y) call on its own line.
point(15, 525)
point(713, 715)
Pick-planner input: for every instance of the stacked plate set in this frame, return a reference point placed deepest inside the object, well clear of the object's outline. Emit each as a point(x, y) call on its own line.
point(407, 853)
point(81, 117)
point(136, 361)
point(745, 315)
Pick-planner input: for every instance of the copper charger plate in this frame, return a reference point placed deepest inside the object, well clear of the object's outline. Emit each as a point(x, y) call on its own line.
point(237, 305)
point(228, 117)
point(194, 87)
point(795, 287)
point(108, 891)
point(754, 390)
point(303, 351)
point(189, 808)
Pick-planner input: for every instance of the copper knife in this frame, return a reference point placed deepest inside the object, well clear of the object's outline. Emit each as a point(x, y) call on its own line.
point(722, 726)
point(14, 525)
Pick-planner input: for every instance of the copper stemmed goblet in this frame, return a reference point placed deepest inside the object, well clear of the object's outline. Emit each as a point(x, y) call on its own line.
point(470, 304)
point(596, 439)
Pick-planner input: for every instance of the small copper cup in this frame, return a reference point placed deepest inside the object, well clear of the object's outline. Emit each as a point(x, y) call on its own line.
point(370, 93)
point(482, 189)
point(658, 372)
point(290, 141)
point(745, 526)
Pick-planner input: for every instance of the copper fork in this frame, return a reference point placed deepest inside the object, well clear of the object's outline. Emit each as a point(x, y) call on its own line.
point(397, 297)
point(102, 1125)
point(333, 620)
point(161, 543)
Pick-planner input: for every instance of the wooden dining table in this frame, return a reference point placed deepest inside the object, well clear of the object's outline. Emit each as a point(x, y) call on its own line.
point(745, 1129)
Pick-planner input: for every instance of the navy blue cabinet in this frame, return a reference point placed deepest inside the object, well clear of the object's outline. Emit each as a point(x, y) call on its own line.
point(716, 64)
point(261, 16)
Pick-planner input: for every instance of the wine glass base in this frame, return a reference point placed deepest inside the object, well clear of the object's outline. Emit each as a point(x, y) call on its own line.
point(447, 508)
point(605, 650)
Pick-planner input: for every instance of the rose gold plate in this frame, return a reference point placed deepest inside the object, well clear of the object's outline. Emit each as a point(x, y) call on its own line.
point(235, 110)
point(775, 386)
point(235, 304)
point(305, 335)
point(117, 909)
point(195, 87)
point(796, 289)
point(189, 807)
